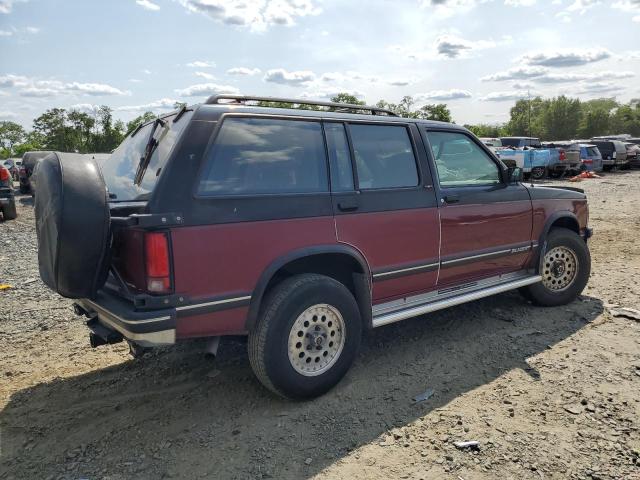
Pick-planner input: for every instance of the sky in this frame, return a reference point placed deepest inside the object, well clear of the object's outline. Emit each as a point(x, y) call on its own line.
point(477, 56)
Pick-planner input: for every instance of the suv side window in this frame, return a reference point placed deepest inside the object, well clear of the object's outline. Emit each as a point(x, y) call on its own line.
point(384, 156)
point(460, 161)
point(265, 155)
point(339, 157)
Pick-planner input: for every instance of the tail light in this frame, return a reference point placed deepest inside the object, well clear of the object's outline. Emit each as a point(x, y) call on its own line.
point(157, 265)
point(4, 174)
point(563, 156)
point(22, 171)
point(587, 160)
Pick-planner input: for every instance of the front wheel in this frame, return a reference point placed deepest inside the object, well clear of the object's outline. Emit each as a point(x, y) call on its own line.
point(307, 336)
point(9, 211)
point(565, 269)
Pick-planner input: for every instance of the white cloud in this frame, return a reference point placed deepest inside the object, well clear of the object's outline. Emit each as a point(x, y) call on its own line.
point(326, 93)
point(256, 15)
point(7, 115)
point(566, 57)
point(162, 104)
point(38, 92)
point(636, 19)
point(201, 64)
point(146, 71)
point(85, 108)
point(9, 81)
point(243, 71)
point(148, 5)
point(575, 77)
point(598, 88)
point(205, 75)
point(94, 89)
point(447, 8)
point(32, 30)
point(13, 31)
point(516, 73)
point(582, 6)
point(280, 75)
point(629, 6)
point(506, 96)
point(6, 6)
point(5, 33)
point(206, 89)
point(453, 94)
point(520, 3)
point(135, 80)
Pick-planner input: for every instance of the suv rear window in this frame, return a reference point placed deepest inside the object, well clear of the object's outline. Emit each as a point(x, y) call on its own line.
point(266, 156)
point(120, 168)
point(384, 156)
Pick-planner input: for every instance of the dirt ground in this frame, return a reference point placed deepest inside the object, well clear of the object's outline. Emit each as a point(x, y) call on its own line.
point(547, 392)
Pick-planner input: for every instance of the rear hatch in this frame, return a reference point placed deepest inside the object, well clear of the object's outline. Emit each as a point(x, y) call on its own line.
point(140, 255)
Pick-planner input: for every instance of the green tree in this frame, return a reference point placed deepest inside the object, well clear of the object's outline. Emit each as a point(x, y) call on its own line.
point(11, 134)
point(438, 112)
point(485, 130)
point(51, 125)
point(526, 118)
point(80, 130)
point(560, 118)
point(139, 120)
point(344, 97)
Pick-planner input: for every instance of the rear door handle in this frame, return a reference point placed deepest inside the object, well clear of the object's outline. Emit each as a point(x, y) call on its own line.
point(451, 198)
point(347, 205)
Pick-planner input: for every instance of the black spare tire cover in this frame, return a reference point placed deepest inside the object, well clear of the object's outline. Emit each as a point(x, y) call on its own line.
point(72, 224)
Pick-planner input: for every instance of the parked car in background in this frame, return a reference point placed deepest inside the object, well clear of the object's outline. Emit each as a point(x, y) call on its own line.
point(7, 199)
point(614, 153)
point(633, 140)
point(568, 160)
point(557, 164)
point(364, 220)
point(633, 154)
point(493, 143)
point(590, 156)
point(13, 165)
point(29, 160)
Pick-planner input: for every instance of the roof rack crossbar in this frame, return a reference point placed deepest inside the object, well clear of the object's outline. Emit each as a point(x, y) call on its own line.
point(343, 107)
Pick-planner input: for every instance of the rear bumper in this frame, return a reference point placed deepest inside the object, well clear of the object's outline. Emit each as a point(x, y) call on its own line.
point(148, 329)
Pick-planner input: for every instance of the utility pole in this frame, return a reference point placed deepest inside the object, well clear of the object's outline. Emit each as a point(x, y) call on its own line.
point(529, 104)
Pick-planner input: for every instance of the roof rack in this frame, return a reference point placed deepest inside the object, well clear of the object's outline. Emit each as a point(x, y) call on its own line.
point(341, 107)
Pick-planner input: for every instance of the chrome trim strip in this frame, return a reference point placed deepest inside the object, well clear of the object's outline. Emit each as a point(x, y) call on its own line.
point(123, 320)
point(217, 302)
point(388, 318)
point(471, 257)
point(402, 270)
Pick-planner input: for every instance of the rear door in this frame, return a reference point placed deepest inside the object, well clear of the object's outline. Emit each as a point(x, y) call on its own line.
point(384, 203)
point(485, 221)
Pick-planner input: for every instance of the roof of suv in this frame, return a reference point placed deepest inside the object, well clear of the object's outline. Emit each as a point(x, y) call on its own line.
point(218, 105)
point(213, 112)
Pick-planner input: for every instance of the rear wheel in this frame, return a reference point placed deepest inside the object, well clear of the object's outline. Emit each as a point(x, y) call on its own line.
point(24, 189)
point(9, 211)
point(307, 336)
point(538, 173)
point(565, 269)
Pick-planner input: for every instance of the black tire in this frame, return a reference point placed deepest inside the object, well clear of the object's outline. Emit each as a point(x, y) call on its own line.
point(538, 173)
point(574, 270)
point(9, 211)
point(24, 189)
point(269, 340)
point(72, 224)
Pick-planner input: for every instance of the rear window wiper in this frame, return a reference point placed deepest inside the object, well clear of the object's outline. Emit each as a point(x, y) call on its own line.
point(151, 146)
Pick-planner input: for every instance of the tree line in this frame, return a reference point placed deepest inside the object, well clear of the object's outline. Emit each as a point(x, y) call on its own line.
point(559, 118)
point(564, 118)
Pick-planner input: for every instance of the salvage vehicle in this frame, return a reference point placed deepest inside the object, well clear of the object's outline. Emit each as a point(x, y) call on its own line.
point(633, 154)
point(299, 228)
point(614, 153)
point(7, 199)
point(29, 161)
point(590, 156)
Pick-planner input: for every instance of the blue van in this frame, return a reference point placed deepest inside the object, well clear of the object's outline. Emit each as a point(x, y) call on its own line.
point(590, 156)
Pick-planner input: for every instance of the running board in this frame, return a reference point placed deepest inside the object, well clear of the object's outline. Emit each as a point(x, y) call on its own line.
point(396, 316)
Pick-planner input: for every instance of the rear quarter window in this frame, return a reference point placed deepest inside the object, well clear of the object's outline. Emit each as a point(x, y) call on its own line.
point(384, 156)
point(253, 156)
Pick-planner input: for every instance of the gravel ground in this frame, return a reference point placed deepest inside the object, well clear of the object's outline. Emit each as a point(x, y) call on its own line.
point(547, 392)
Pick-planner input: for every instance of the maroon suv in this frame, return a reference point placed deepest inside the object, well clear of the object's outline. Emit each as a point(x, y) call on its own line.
point(299, 228)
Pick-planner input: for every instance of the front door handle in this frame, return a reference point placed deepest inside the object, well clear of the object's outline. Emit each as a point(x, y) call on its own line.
point(347, 205)
point(451, 198)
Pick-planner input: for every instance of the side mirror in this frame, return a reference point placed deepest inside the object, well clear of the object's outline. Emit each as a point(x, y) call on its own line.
point(515, 175)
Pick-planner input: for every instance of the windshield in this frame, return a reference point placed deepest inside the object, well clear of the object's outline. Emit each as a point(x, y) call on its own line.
point(119, 169)
point(510, 142)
